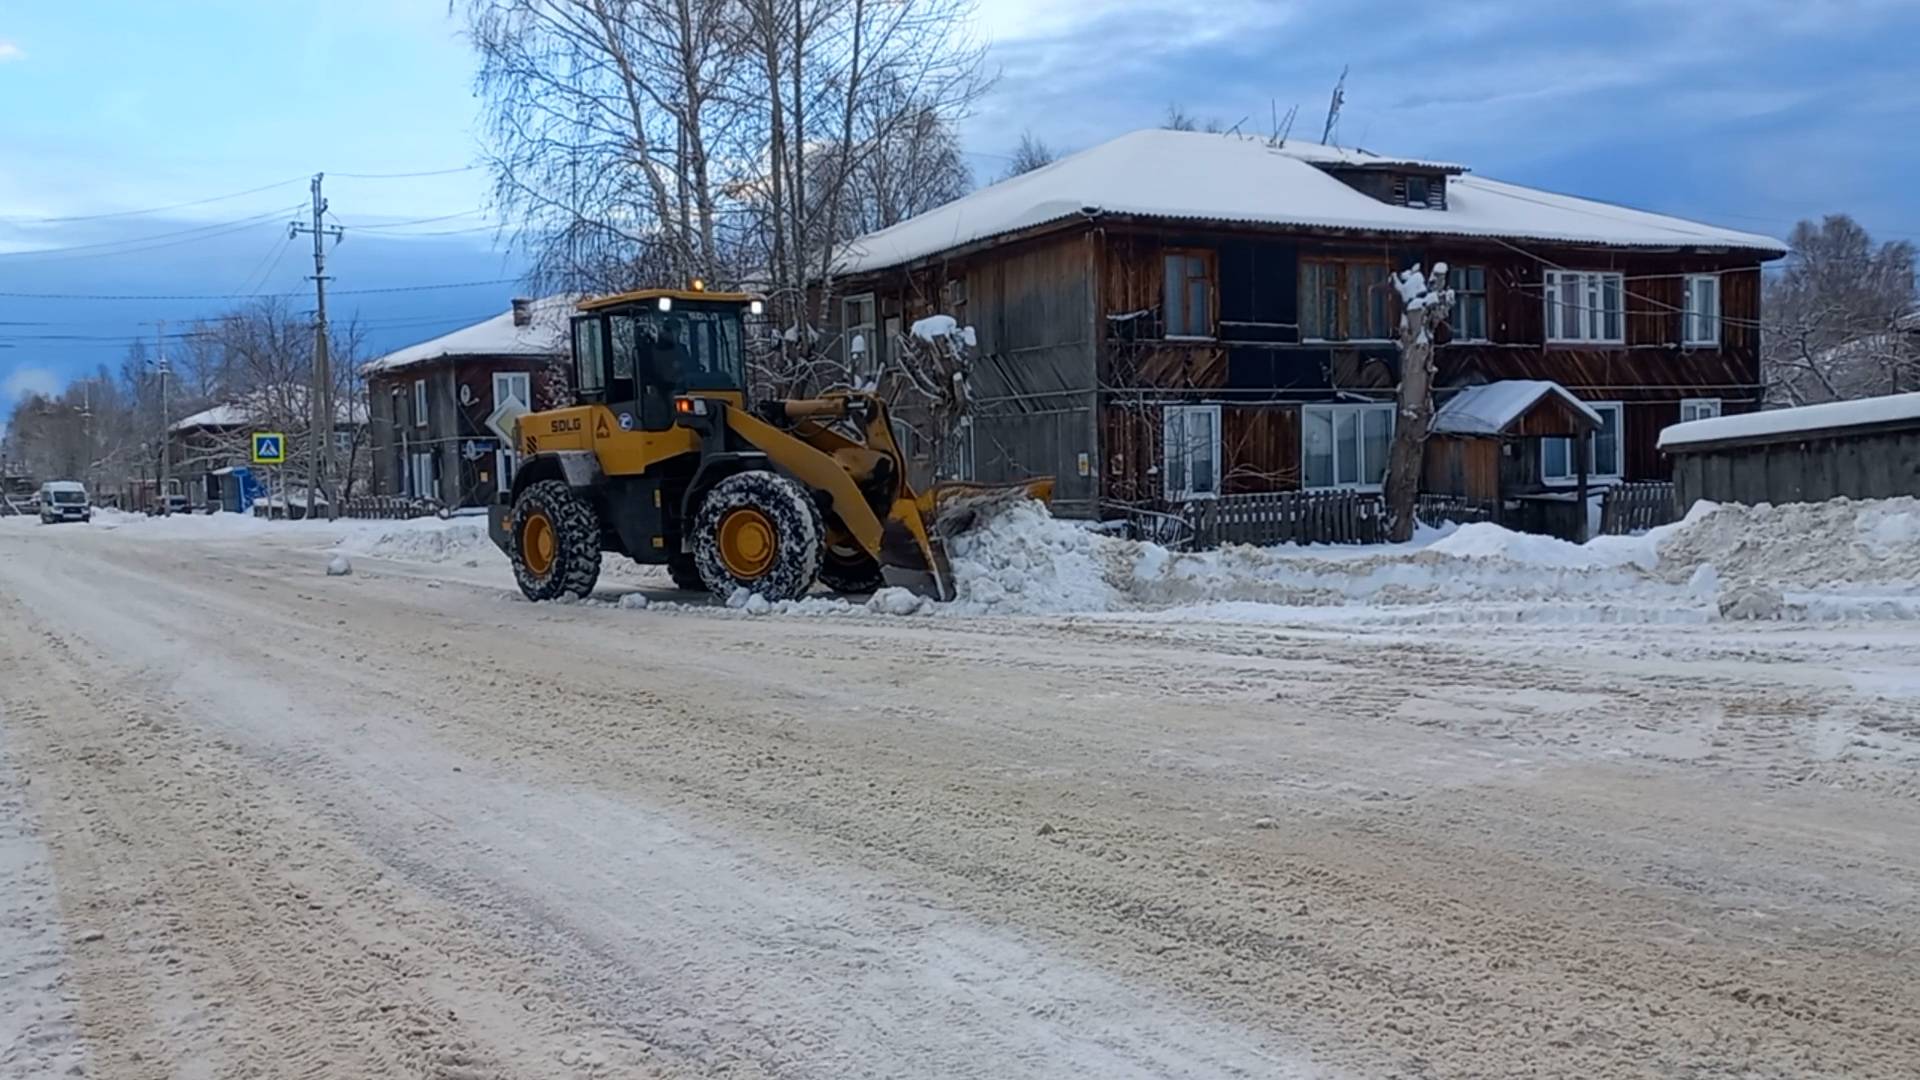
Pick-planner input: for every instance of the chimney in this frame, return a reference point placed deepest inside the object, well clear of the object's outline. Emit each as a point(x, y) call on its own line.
point(522, 311)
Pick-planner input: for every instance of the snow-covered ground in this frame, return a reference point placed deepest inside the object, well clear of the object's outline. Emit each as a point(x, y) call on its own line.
point(1825, 561)
point(1249, 813)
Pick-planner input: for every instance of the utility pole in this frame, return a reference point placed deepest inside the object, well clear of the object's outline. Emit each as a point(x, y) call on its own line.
point(166, 418)
point(320, 396)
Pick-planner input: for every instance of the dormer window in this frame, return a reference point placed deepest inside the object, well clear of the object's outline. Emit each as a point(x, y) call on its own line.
point(1395, 184)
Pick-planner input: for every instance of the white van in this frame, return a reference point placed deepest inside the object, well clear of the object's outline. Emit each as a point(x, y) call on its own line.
point(64, 500)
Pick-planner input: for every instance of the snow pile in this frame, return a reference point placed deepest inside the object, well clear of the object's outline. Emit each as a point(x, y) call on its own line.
point(1023, 559)
point(339, 566)
point(1841, 542)
point(1748, 562)
point(427, 539)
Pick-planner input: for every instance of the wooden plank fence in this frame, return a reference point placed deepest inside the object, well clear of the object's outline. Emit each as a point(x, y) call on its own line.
point(1636, 507)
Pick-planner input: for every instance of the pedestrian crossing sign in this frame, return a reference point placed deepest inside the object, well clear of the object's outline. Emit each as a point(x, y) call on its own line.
point(269, 448)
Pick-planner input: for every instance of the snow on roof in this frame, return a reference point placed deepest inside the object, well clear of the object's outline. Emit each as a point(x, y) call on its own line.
point(1353, 155)
point(1490, 409)
point(233, 414)
point(544, 335)
point(223, 415)
point(1862, 412)
point(1207, 177)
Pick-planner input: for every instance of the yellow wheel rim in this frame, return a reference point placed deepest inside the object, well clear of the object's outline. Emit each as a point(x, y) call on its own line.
point(537, 543)
point(747, 544)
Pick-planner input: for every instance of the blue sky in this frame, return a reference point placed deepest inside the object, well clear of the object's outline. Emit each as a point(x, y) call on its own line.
point(1750, 114)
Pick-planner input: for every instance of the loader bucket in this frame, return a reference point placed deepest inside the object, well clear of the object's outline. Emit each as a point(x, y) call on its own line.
point(913, 551)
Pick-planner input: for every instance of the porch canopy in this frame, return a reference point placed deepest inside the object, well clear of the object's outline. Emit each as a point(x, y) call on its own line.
point(1523, 408)
point(1474, 456)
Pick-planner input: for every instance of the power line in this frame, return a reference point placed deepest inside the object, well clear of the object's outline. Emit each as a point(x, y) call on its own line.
point(405, 175)
point(155, 209)
point(246, 296)
point(135, 244)
point(418, 221)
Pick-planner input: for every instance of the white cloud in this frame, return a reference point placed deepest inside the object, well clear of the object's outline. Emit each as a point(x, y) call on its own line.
point(22, 381)
point(10, 51)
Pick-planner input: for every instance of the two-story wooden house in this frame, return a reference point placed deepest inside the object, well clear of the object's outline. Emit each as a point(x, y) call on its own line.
point(1174, 315)
point(429, 402)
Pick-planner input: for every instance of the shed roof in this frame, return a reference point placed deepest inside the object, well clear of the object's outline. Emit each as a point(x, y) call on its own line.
point(1492, 408)
point(544, 335)
point(1197, 176)
point(1777, 424)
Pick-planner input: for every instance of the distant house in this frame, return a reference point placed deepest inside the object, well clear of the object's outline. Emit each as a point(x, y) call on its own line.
point(430, 402)
point(1173, 316)
point(212, 441)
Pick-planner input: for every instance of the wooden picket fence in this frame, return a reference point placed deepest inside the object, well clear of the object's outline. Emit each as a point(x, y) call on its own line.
point(390, 506)
point(1440, 509)
point(1282, 517)
point(1636, 507)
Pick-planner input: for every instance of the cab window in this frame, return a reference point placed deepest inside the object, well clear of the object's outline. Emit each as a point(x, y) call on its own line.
point(589, 374)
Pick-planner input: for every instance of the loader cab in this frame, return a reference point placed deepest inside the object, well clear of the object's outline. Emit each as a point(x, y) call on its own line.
point(636, 352)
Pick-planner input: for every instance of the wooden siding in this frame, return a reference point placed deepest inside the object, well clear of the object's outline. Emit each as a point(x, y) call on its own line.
point(1468, 467)
point(1259, 448)
point(1874, 465)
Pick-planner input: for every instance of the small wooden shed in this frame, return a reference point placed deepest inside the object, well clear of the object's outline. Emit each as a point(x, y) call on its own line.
point(1485, 447)
point(1864, 449)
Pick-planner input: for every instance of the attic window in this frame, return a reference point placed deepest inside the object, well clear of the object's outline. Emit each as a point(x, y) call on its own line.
point(1418, 191)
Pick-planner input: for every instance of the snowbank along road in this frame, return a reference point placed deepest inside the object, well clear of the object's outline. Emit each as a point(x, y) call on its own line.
point(260, 821)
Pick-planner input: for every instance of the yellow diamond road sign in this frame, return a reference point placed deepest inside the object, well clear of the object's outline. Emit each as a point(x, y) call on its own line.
point(269, 448)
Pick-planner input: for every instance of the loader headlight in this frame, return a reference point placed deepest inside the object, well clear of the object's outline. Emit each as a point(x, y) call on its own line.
point(690, 406)
point(756, 307)
point(666, 303)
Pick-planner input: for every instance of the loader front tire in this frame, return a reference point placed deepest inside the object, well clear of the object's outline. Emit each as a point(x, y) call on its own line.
point(758, 530)
point(556, 542)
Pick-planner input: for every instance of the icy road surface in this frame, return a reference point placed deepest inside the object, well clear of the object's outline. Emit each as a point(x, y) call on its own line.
point(257, 821)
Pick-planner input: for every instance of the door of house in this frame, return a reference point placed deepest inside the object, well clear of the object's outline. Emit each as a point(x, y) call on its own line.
point(517, 385)
point(420, 477)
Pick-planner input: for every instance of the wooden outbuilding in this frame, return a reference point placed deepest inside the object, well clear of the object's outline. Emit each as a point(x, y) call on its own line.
point(1486, 447)
point(1864, 449)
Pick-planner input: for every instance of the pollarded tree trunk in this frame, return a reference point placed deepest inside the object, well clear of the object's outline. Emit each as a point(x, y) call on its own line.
point(1425, 304)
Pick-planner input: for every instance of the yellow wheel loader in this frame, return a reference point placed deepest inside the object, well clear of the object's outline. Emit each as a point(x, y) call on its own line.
point(665, 462)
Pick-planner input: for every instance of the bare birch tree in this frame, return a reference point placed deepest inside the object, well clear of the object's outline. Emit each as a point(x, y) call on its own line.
point(641, 142)
point(1839, 321)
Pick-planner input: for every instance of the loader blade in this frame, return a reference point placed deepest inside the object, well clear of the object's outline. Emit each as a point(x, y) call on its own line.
point(913, 549)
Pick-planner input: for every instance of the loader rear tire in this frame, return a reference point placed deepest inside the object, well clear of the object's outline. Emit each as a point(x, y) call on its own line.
point(685, 573)
point(556, 542)
point(761, 531)
point(850, 570)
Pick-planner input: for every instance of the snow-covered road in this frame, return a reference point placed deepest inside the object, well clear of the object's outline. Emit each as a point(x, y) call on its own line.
point(402, 823)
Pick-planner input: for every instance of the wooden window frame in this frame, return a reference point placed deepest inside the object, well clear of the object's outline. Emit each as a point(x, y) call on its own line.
point(1688, 315)
point(1486, 305)
point(1700, 405)
point(871, 363)
point(1589, 283)
point(419, 403)
point(1619, 410)
point(1212, 277)
point(1183, 491)
point(1343, 289)
point(1360, 409)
